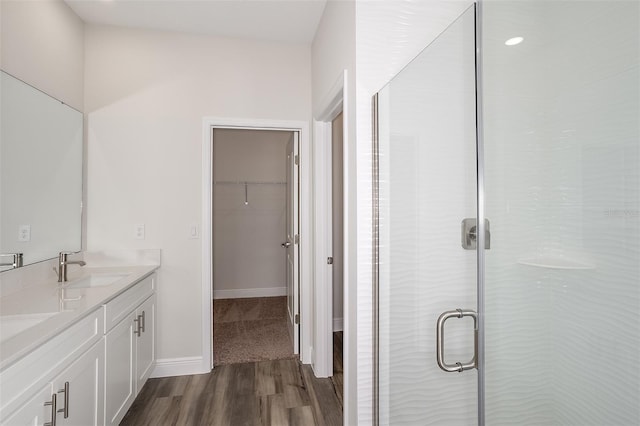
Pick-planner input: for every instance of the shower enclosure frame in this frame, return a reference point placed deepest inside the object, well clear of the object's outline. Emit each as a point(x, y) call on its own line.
point(557, 297)
point(481, 219)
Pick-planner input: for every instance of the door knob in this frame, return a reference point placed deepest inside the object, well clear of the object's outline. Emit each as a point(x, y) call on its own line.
point(286, 245)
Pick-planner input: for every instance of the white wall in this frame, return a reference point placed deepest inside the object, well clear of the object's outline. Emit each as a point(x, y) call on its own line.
point(333, 51)
point(42, 45)
point(248, 258)
point(146, 94)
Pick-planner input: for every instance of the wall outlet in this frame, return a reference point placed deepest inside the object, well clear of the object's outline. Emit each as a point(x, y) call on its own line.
point(24, 233)
point(138, 231)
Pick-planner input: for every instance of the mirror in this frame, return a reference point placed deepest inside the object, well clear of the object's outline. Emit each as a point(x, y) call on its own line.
point(40, 174)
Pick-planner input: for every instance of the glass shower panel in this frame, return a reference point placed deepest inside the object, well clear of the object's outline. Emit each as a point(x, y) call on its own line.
point(562, 188)
point(427, 186)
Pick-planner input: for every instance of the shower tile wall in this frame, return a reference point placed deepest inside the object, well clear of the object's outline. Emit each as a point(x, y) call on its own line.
point(563, 194)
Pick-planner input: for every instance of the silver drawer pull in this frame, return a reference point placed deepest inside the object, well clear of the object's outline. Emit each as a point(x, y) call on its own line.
point(142, 317)
point(65, 410)
point(458, 366)
point(54, 410)
point(136, 329)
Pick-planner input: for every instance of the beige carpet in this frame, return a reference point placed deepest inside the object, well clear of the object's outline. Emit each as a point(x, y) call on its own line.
point(250, 330)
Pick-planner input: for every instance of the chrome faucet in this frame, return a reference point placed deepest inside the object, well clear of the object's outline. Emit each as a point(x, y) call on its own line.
point(16, 261)
point(63, 262)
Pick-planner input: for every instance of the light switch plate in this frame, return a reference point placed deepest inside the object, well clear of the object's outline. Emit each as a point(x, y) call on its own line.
point(194, 231)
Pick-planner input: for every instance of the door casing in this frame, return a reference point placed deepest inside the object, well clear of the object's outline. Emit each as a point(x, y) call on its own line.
point(322, 361)
point(306, 241)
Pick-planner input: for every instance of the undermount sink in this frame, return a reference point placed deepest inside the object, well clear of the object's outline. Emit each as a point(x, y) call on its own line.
point(96, 280)
point(11, 325)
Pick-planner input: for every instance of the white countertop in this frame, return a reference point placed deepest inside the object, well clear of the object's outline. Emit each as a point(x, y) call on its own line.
point(61, 304)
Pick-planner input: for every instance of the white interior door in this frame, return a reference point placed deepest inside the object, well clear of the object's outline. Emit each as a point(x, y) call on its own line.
point(427, 186)
point(291, 243)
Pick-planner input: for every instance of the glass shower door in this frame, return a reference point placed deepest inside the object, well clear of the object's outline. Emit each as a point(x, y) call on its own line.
point(562, 189)
point(427, 186)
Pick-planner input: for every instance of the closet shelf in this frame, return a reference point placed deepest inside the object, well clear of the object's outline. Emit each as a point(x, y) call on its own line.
point(550, 262)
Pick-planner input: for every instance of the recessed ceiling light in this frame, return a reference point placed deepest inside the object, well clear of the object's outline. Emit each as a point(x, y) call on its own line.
point(513, 41)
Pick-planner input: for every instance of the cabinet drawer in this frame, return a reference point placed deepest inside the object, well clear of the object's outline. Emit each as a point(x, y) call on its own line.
point(25, 377)
point(121, 306)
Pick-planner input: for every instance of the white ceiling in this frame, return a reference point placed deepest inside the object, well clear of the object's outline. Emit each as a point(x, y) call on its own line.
point(292, 21)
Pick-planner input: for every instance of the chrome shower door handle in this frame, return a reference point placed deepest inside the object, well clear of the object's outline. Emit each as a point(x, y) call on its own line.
point(286, 245)
point(458, 366)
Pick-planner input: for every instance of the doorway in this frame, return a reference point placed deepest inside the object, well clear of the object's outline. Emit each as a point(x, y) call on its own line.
point(337, 255)
point(332, 311)
point(255, 253)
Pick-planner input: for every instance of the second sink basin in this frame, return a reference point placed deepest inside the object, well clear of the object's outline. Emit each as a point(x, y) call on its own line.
point(96, 280)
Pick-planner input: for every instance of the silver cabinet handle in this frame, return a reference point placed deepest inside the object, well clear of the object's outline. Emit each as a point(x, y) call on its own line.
point(142, 321)
point(54, 410)
point(136, 331)
point(458, 366)
point(65, 410)
point(285, 245)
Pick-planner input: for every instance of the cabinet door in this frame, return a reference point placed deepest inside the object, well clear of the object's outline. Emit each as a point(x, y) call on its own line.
point(146, 342)
point(34, 412)
point(120, 369)
point(80, 390)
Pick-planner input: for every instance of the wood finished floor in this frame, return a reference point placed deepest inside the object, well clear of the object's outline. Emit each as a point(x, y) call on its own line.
point(338, 373)
point(266, 393)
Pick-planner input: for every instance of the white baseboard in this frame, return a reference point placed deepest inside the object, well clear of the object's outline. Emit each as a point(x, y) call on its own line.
point(169, 367)
point(249, 292)
point(338, 324)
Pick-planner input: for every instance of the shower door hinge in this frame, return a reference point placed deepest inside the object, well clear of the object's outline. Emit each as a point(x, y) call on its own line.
point(296, 239)
point(296, 319)
point(296, 160)
point(470, 234)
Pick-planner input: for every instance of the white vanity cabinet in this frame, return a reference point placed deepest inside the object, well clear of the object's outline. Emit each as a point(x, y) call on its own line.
point(89, 373)
point(74, 397)
point(34, 412)
point(130, 347)
point(79, 399)
point(146, 342)
point(59, 383)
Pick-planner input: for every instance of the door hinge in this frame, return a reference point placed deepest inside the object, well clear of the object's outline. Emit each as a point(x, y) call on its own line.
point(296, 239)
point(296, 319)
point(296, 160)
point(470, 234)
point(329, 260)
